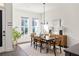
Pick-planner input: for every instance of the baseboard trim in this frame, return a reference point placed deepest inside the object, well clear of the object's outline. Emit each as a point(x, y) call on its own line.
point(24, 42)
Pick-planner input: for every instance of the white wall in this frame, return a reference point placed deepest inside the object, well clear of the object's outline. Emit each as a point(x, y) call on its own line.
point(8, 18)
point(69, 14)
point(18, 13)
point(1, 4)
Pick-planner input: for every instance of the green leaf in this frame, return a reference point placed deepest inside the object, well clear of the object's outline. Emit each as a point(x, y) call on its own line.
point(15, 34)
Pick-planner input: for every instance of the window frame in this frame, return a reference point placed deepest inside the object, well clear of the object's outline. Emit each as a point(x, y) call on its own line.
point(35, 26)
point(24, 26)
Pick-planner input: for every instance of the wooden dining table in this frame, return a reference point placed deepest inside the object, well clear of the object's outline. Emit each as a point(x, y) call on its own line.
point(46, 41)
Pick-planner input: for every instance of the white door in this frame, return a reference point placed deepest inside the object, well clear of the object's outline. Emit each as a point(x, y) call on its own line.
point(2, 30)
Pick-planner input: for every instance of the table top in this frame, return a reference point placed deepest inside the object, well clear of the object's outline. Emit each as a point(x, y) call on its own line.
point(74, 49)
point(46, 39)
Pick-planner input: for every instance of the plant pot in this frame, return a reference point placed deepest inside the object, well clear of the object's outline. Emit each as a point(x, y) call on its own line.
point(15, 43)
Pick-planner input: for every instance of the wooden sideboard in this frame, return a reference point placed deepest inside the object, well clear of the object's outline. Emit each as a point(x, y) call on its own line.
point(63, 39)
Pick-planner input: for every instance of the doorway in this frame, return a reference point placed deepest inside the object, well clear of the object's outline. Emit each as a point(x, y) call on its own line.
point(0, 28)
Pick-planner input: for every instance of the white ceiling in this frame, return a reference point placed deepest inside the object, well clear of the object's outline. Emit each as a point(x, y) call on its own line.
point(2, 4)
point(38, 7)
point(33, 7)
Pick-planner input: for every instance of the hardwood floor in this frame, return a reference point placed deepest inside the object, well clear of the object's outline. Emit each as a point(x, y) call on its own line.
point(17, 52)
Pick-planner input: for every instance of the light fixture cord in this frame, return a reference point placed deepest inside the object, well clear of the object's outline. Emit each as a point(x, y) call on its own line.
point(44, 12)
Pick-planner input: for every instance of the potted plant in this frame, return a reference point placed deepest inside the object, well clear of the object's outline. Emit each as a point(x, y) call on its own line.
point(15, 35)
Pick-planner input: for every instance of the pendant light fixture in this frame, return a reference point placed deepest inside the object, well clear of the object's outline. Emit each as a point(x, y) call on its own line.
point(44, 23)
point(44, 15)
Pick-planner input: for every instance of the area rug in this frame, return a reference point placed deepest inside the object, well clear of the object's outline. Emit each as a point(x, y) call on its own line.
point(31, 51)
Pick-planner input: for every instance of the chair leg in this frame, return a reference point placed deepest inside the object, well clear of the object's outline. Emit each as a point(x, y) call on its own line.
point(60, 47)
point(40, 47)
point(34, 44)
point(50, 46)
point(60, 50)
point(31, 41)
point(47, 48)
point(54, 49)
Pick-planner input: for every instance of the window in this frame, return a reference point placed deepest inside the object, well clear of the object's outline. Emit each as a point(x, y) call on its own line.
point(24, 25)
point(35, 25)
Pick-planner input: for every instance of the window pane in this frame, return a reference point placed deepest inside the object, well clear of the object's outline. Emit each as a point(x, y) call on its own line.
point(33, 29)
point(34, 22)
point(26, 30)
point(22, 29)
point(22, 22)
point(25, 23)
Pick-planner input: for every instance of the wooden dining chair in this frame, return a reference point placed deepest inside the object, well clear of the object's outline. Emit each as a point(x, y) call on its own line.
point(32, 37)
point(54, 43)
point(38, 42)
